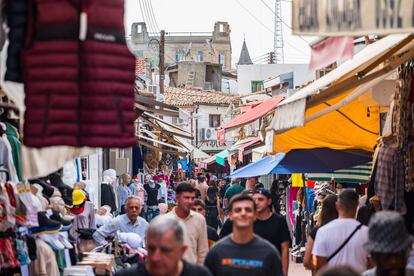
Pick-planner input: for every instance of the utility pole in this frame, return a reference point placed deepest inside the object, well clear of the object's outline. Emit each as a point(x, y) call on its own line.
point(161, 58)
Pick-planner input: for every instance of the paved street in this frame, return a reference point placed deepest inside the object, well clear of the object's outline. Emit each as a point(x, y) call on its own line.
point(298, 270)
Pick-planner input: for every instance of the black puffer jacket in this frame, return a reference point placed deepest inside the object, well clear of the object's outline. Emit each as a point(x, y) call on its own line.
point(16, 12)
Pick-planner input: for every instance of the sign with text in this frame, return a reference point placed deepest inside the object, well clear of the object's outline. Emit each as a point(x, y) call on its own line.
point(352, 17)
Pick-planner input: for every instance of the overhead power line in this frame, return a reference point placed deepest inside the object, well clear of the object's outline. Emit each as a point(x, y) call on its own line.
point(267, 28)
point(252, 15)
point(147, 18)
point(150, 15)
point(153, 14)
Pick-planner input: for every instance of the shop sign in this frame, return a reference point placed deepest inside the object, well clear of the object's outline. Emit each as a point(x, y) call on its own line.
point(352, 17)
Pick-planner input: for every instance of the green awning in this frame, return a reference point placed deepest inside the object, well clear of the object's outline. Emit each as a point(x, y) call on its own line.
point(221, 157)
point(357, 174)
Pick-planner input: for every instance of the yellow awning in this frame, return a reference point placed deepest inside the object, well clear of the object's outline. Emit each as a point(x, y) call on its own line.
point(353, 126)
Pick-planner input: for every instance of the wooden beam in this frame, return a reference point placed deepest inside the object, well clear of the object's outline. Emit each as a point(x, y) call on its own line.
point(354, 81)
point(146, 100)
point(163, 112)
point(385, 56)
point(162, 143)
point(161, 150)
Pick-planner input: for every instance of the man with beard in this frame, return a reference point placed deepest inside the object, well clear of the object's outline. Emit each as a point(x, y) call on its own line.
point(195, 227)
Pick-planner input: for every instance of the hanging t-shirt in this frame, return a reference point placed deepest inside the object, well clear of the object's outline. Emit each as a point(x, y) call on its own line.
point(257, 257)
point(331, 236)
point(152, 194)
point(183, 164)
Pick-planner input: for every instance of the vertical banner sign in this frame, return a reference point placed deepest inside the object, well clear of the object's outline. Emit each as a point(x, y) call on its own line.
point(352, 17)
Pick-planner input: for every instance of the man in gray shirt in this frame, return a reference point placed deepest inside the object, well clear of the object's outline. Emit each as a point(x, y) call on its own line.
point(130, 222)
point(243, 253)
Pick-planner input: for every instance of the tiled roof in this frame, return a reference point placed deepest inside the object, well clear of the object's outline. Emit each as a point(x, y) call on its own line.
point(190, 97)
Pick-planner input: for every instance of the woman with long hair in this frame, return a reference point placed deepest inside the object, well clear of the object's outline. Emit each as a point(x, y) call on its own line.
point(213, 210)
point(327, 214)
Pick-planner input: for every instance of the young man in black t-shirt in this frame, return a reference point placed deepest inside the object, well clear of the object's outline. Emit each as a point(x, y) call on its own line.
point(165, 245)
point(200, 207)
point(272, 227)
point(242, 253)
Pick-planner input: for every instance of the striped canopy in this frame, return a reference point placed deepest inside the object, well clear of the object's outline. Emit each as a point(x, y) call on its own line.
point(357, 174)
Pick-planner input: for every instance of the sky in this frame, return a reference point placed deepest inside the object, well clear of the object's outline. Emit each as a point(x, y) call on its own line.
point(199, 16)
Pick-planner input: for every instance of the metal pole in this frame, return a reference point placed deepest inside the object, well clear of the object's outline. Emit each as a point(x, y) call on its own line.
point(161, 65)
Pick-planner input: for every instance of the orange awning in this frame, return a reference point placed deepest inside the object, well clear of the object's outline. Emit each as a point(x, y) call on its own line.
point(253, 114)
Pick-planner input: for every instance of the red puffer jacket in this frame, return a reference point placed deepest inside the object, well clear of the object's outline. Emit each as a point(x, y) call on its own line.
point(79, 92)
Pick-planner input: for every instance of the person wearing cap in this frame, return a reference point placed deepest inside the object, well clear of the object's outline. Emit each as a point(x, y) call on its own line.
point(233, 190)
point(272, 227)
point(84, 218)
point(340, 242)
point(389, 244)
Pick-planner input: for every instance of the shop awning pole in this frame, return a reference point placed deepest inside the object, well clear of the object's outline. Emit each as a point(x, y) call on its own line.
point(162, 143)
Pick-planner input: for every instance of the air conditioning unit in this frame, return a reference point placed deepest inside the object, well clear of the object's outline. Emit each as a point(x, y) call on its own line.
point(210, 134)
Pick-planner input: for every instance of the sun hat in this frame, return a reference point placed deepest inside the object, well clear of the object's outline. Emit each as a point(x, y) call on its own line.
point(78, 197)
point(387, 233)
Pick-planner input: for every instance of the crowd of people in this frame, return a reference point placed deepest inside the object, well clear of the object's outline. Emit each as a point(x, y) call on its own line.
point(211, 226)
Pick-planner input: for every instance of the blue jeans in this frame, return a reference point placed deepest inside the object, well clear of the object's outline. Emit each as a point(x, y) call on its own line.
point(152, 212)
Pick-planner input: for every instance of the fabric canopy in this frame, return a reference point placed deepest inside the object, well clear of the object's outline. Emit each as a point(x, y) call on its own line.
point(304, 161)
point(361, 59)
point(354, 126)
point(357, 174)
point(253, 114)
point(221, 157)
point(351, 74)
point(262, 167)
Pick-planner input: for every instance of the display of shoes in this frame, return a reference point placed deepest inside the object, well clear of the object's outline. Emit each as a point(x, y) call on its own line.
point(58, 217)
point(52, 240)
point(46, 225)
point(63, 238)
